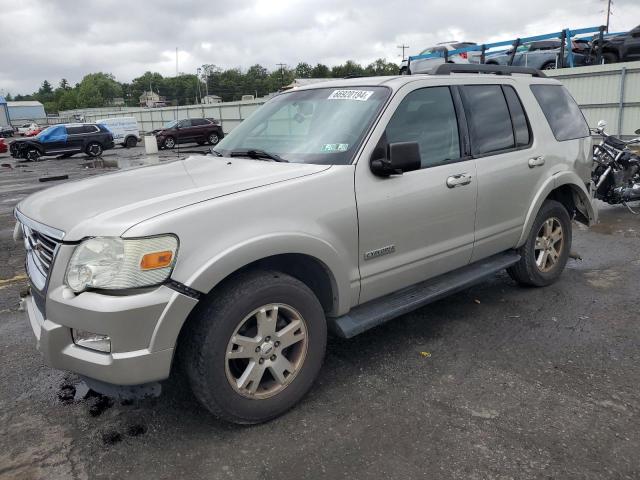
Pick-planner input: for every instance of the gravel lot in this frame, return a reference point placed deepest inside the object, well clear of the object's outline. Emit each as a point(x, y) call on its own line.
point(517, 383)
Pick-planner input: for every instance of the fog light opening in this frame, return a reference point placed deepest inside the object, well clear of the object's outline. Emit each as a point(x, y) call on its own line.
point(90, 340)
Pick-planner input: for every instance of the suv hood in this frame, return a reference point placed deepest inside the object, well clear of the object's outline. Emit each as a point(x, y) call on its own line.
point(111, 204)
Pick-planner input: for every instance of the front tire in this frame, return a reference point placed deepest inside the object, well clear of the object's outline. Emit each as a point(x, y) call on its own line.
point(169, 143)
point(213, 139)
point(253, 349)
point(33, 155)
point(94, 149)
point(546, 251)
point(549, 66)
point(610, 57)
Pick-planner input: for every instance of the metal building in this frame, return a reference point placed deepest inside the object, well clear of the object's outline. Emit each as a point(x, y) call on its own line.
point(26, 110)
point(4, 112)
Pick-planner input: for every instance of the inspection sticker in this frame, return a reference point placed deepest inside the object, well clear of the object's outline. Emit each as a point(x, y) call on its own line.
point(360, 95)
point(335, 147)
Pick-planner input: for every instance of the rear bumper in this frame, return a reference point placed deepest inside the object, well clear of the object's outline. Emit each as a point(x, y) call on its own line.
point(142, 351)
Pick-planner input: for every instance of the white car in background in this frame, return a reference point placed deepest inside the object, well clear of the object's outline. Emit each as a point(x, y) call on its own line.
point(125, 130)
point(26, 128)
point(426, 64)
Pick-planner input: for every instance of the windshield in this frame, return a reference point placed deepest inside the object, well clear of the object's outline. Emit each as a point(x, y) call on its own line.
point(170, 124)
point(44, 133)
point(320, 126)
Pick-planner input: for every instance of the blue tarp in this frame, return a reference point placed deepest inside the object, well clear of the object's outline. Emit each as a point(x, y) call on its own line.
point(56, 133)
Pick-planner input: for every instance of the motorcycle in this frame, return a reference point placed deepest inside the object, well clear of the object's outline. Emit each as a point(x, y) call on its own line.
point(616, 169)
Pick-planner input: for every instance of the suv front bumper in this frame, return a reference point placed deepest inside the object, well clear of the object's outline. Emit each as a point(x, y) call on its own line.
point(143, 329)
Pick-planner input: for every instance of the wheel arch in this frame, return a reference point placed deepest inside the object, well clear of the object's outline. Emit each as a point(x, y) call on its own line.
point(568, 189)
point(313, 261)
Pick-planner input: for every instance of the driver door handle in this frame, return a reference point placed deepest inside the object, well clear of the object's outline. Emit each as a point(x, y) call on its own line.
point(458, 180)
point(536, 162)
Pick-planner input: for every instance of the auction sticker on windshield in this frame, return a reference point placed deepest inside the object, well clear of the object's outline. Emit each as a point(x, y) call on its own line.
point(360, 95)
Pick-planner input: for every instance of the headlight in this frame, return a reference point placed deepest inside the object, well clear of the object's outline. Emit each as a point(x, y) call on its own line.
point(114, 263)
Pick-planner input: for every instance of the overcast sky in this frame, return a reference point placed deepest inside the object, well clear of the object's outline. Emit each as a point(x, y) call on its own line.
point(52, 39)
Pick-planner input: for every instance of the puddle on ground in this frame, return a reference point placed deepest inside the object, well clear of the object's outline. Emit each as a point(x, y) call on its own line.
point(603, 278)
point(617, 220)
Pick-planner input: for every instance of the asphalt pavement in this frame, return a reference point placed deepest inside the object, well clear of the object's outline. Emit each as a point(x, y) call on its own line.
point(496, 382)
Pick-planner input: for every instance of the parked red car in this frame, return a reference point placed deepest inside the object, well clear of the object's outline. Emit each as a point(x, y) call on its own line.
point(33, 132)
point(3, 145)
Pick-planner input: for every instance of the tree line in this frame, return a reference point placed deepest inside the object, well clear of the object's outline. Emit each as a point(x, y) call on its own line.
point(100, 89)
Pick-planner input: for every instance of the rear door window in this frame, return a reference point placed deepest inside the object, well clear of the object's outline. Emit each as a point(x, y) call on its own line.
point(90, 129)
point(518, 117)
point(561, 111)
point(199, 122)
point(75, 130)
point(488, 119)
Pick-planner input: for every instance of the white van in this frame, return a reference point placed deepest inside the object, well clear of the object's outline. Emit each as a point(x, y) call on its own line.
point(124, 129)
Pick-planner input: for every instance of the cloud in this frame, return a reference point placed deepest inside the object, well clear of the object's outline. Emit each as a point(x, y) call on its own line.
point(70, 39)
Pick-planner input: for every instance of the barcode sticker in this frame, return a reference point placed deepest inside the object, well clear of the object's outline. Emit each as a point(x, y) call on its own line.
point(360, 95)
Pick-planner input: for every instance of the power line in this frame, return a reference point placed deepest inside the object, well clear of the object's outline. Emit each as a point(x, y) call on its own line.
point(403, 47)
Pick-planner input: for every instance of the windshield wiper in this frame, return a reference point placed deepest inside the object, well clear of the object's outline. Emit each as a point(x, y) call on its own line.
point(257, 154)
point(215, 152)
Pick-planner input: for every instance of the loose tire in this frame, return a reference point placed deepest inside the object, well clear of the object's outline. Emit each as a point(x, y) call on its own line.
point(169, 143)
point(254, 348)
point(546, 251)
point(131, 142)
point(213, 139)
point(94, 149)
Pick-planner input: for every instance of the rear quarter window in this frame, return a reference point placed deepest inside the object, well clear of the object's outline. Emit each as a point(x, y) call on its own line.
point(561, 111)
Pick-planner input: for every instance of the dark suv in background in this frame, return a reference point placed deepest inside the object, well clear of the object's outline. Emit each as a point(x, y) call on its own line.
point(189, 130)
point(621, 48)
point(64, 140)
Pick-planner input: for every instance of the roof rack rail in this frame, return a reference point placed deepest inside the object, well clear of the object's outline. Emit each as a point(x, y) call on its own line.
point(449, 68)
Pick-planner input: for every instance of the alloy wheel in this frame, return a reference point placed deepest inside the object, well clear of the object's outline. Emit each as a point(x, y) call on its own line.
point(549, 244)
point(266, 351)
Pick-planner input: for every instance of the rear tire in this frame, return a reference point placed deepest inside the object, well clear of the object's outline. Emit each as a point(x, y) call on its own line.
point(130, 142)
point(220, 370)
point(546, 251)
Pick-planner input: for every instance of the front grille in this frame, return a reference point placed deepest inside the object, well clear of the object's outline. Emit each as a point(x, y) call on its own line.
point(41, 247)
point(41, 243)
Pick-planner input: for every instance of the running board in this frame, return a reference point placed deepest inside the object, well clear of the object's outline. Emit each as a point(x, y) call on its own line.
point(381, 310)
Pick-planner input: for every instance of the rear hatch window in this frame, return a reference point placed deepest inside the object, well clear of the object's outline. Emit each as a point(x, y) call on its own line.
point(562, 112)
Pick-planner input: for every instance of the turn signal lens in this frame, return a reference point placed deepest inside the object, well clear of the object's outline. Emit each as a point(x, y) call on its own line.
point(154, 260)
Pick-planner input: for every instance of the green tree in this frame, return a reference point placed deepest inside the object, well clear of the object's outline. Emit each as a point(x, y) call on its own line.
point(320, 71)
point(64, 84)
point(89, 95)
point(382, 67)
point(303, 70)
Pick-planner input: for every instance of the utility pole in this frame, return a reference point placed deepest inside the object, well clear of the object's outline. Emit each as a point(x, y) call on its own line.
point(609, 3)
point(281, 65)
point(403, 47)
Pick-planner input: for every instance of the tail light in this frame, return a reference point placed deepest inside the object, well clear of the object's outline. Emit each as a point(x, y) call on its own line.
point(463, 55)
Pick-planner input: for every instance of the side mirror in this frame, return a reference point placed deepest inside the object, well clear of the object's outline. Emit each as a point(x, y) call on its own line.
point(401, 157)
point(637, 132)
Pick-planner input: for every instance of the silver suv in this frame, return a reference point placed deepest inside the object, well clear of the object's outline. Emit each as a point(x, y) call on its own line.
point(338, 206)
